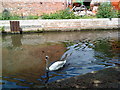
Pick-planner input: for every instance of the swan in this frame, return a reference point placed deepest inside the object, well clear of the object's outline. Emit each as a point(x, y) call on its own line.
point(56, 65)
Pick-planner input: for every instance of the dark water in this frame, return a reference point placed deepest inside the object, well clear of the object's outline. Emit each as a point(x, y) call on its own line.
point(23, 56)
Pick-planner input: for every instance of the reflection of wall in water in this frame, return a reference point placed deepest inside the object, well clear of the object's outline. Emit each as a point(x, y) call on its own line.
point(30, 61)
point(16, 40)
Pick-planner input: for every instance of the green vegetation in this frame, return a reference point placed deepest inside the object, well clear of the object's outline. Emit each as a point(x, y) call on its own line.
point(0, 16)
point(17, 17)
point(6, 15)
point(63, 14)
point(2, 29)
point(87, 17)
point(118, 13)
point(106, 10)
point(32, 17)
point(14, 17)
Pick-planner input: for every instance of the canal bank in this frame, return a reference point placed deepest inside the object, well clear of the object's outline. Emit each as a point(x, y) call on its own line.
point(106, 78)
point(63, 24)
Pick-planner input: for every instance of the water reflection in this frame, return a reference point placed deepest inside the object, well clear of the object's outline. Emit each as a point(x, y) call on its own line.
point(24, 56)
point(19, 65)
point(16, 40)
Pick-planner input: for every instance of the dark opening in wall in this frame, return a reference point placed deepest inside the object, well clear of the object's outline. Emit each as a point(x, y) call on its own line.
point(41, 3)
point(77, 4)
point(87, 4)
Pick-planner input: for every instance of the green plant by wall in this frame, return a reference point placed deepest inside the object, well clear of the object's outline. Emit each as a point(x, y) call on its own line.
point(0, 16)
point(118, 13)
point(15, 17)
point(2, 29)
point(5, 15)
point(63, 14)
point(32, 17)
point(106, 10)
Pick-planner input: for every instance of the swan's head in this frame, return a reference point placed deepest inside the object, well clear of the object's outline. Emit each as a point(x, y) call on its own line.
point(46, 57)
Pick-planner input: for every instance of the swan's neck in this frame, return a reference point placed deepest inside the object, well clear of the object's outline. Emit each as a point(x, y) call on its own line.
point(47, 76)
point(47, 67)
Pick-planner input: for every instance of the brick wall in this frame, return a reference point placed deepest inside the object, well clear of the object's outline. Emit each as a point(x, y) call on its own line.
point(32, 8)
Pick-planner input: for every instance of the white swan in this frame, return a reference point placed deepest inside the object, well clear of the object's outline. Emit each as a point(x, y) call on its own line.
point(56, 65)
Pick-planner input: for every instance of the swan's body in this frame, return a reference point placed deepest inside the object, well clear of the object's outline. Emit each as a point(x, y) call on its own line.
point(55, 66)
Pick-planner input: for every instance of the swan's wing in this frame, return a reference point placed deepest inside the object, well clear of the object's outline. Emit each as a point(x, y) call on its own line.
point(57, 65)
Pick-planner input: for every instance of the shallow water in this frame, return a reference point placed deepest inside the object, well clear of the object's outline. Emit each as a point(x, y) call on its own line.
point(23, 56)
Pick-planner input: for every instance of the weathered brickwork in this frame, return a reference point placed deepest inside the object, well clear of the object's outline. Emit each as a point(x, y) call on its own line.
point(32, 8)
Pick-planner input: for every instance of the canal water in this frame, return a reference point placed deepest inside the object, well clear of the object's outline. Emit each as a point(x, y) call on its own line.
point(23, 56)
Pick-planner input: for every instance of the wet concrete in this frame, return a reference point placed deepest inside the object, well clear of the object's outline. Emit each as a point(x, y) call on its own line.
point(106, 78)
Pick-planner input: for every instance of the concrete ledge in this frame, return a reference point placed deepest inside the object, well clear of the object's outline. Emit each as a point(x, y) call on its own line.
point(106, 78)
point(63, 24)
